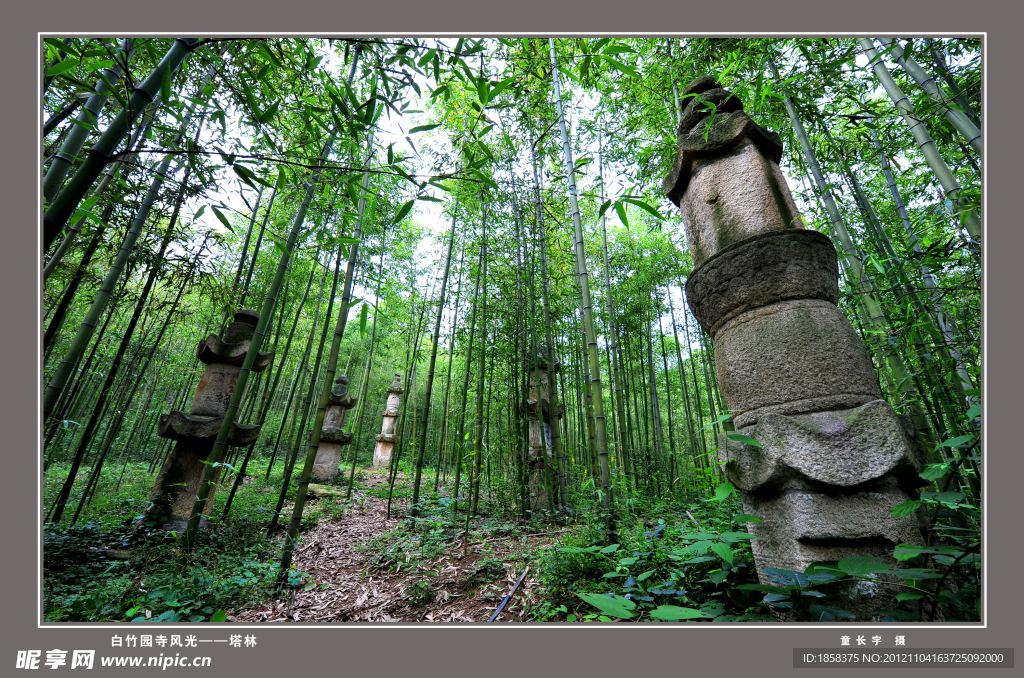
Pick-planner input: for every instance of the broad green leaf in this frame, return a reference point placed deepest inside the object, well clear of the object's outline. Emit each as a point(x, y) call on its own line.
point(910, 595)
point(731, 537)
point(934, 471)
point(719, 576)
point(675, 613)
point(698, 548)
point(610, 549)
point(615, 606)
point(974, 412)
point(724, 551)
point(723, 491)
point(862, 565)
point(745, 518)
point(645, 575)
point(363, 313)
point(916, 573)
point(906, 508)
point(763, 588)
point(740, 438)
point(825, 613)
point(949, 497)
point(956, 442)
point(219, 616)
point(348, 240)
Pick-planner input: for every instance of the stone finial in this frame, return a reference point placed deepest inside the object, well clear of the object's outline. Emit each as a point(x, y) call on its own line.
point(730, 127)
point(396, 385)
point(340, 389)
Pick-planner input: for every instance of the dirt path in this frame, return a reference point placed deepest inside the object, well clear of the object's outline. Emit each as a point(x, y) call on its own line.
point(454, 587)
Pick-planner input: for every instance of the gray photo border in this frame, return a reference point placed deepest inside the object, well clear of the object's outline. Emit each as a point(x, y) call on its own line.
point(543, 649)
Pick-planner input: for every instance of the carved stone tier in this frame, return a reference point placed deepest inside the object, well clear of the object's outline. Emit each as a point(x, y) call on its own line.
point(180, 426)
point(761, 270)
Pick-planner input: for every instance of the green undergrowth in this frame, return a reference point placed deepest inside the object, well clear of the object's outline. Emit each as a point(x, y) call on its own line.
point(105, 568)
point(692, 561)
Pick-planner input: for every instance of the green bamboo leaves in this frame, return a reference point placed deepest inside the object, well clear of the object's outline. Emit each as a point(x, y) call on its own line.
point(66, 202)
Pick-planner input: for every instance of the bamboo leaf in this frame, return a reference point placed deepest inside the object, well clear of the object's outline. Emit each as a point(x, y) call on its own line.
point(643, 205)
point(620, 209)
point(165, 86)
point(223, 219)
point(628, 70)
point(424, 128)
point(62, 67)
point(740, 438)
point(955, 442)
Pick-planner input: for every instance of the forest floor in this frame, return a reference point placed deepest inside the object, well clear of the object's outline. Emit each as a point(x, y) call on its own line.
point(345, 581)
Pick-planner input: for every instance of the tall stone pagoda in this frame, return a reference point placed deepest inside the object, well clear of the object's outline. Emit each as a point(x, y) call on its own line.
point(178, 483)
point(387, 436)
point(834, 458)
point(333, 436)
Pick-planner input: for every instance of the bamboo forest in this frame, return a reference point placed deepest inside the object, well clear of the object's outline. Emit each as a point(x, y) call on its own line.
point(587, 330)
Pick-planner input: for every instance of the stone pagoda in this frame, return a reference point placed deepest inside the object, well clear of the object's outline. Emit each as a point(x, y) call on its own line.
point(178, 483)
point(387, 436)
point(333, 436)
point(541, 416)
point(834, 458)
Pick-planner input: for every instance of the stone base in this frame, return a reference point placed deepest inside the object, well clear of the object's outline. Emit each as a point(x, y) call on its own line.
point(177, 524)
point(328, 460)
point(321, 491)
point(538, 489)
point(382, 453)
point(824, 485)
point(177, 485)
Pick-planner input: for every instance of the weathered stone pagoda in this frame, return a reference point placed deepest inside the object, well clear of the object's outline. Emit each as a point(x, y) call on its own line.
point(833, 458)
point(333, 436)
point(542, 416)
point(387, 436)
point(195, 432)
